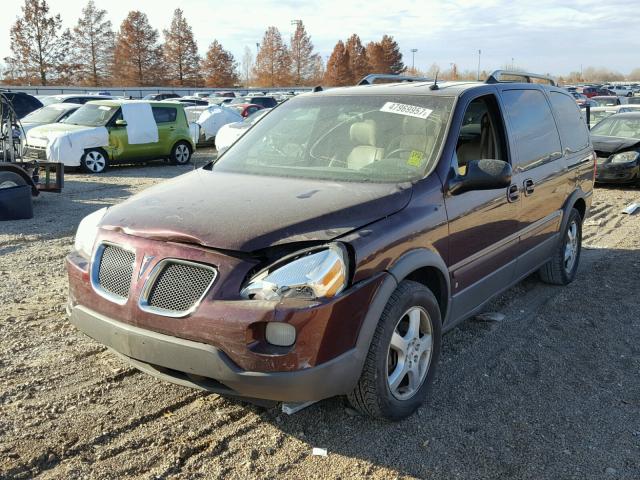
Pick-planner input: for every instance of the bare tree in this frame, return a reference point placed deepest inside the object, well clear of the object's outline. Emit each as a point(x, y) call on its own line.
point(273, 62)
point(219, 67)
point(181, 52)
point(93, 44)
point(137, 54)
point(38, 44)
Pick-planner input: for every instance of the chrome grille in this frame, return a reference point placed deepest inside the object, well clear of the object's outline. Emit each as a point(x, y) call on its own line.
point(177, 286)
point(115, 270)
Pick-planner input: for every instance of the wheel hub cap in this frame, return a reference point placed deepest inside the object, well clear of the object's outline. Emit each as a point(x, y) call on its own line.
point(571, 247)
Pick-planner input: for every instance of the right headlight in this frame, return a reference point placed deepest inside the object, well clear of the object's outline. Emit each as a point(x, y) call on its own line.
point(624, 157)
point(318, 273)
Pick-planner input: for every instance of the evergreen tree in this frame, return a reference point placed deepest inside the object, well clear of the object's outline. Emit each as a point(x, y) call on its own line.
point(273, 62)
point(138, 57)
point(338, 72)
point(181, 52)
point(219, 67)
point(93, 45)
point(38, 44)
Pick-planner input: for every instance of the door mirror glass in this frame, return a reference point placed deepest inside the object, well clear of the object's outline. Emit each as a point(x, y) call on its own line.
point(487, 174)
point(121, 123)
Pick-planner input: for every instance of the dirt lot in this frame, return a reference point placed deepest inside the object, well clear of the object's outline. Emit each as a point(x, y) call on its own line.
point(552, 391)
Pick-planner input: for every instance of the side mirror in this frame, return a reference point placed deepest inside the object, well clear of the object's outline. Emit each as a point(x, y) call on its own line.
point(486, 174)
point(121, 123)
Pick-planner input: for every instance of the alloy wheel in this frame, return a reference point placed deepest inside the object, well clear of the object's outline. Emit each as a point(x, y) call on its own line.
point(409, 354)
point(571, 247)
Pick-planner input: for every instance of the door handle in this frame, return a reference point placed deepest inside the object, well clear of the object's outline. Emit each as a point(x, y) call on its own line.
point(529, 186)
point(513, 193)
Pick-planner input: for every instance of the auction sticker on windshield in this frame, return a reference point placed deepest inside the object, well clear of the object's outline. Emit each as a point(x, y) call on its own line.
point(404, 109)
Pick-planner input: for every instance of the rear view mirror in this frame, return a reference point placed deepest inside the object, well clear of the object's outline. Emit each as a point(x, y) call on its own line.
point(121, 123)
point(485, 174)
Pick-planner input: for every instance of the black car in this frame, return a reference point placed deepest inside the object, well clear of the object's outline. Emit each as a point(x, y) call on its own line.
point(22, 103)
point(616, 140)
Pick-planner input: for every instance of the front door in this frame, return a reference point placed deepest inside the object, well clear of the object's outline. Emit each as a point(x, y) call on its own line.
point(483, 225)
point(120, 148)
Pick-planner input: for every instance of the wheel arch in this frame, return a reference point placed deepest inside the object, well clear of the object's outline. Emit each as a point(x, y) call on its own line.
point(428, 268)
point(10, 167)
point(577, 200)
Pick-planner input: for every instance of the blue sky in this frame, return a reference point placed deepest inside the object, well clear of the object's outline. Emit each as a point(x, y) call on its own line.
point(542, 36)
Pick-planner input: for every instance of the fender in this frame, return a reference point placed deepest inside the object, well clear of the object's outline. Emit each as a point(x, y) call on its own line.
point(11, 167)
point(401, 268)
point(570, 202)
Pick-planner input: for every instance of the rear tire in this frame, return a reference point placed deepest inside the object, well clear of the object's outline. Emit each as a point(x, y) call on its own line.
point(403, 355)
point(94, 160)
point(562, 268)
point(181, 153)
point(11, 179)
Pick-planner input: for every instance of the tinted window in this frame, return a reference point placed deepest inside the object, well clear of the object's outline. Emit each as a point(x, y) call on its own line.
point(164, 114)
point(533, 127)
point(573, 130)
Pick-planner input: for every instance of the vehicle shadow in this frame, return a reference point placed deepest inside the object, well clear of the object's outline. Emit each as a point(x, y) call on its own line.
point(524, 398)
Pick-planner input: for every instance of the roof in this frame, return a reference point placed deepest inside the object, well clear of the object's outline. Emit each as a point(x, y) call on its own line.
point(633, 115)
point(118, 102)
point(72, 95)
point(452, 89)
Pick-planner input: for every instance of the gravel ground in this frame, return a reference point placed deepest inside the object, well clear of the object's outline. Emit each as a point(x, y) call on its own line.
point(550, 392)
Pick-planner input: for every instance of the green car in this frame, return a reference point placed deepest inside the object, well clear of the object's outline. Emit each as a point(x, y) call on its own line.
point(105, 132)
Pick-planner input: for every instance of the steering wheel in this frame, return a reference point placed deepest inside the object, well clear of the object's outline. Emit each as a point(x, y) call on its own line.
point(398, 150)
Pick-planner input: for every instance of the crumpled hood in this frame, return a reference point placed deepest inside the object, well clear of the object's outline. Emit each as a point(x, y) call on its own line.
point(611, 145)
point(245, 213)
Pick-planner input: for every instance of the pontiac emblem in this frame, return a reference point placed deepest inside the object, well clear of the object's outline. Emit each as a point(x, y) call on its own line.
point(146, 260)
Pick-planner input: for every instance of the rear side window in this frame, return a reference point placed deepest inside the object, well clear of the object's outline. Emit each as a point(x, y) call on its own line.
point(164, 114)
point(573, 129)
point(533, 128)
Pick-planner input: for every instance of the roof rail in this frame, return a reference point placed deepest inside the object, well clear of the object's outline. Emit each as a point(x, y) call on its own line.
point(371, 78)
point(496, 77)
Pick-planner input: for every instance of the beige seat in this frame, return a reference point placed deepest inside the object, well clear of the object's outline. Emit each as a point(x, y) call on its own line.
point(363, 135)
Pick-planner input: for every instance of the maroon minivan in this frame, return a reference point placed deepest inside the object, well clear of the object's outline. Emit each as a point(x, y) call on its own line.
point(329, 248)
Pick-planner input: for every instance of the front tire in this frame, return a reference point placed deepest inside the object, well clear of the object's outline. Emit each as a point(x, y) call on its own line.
point(403, 355)
point(563, 266)
point(181, 153)
point(11, 179)
point(94, 160)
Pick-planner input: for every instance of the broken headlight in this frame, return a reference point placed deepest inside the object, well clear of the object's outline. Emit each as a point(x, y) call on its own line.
point(317, 273)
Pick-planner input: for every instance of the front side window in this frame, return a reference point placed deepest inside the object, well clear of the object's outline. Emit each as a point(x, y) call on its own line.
point(91, 115)
point(534, 129)
point(481, 134)
point(377, 138)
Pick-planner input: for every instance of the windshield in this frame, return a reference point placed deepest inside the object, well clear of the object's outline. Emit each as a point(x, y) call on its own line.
point(344, 138)
point(618, 127)
point(633, 100)
point(597, 116)
point(91, 115)
point(48, 114)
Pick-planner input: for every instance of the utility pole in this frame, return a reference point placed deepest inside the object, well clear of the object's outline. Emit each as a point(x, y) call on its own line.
point(479, 54)
point(413, 58)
